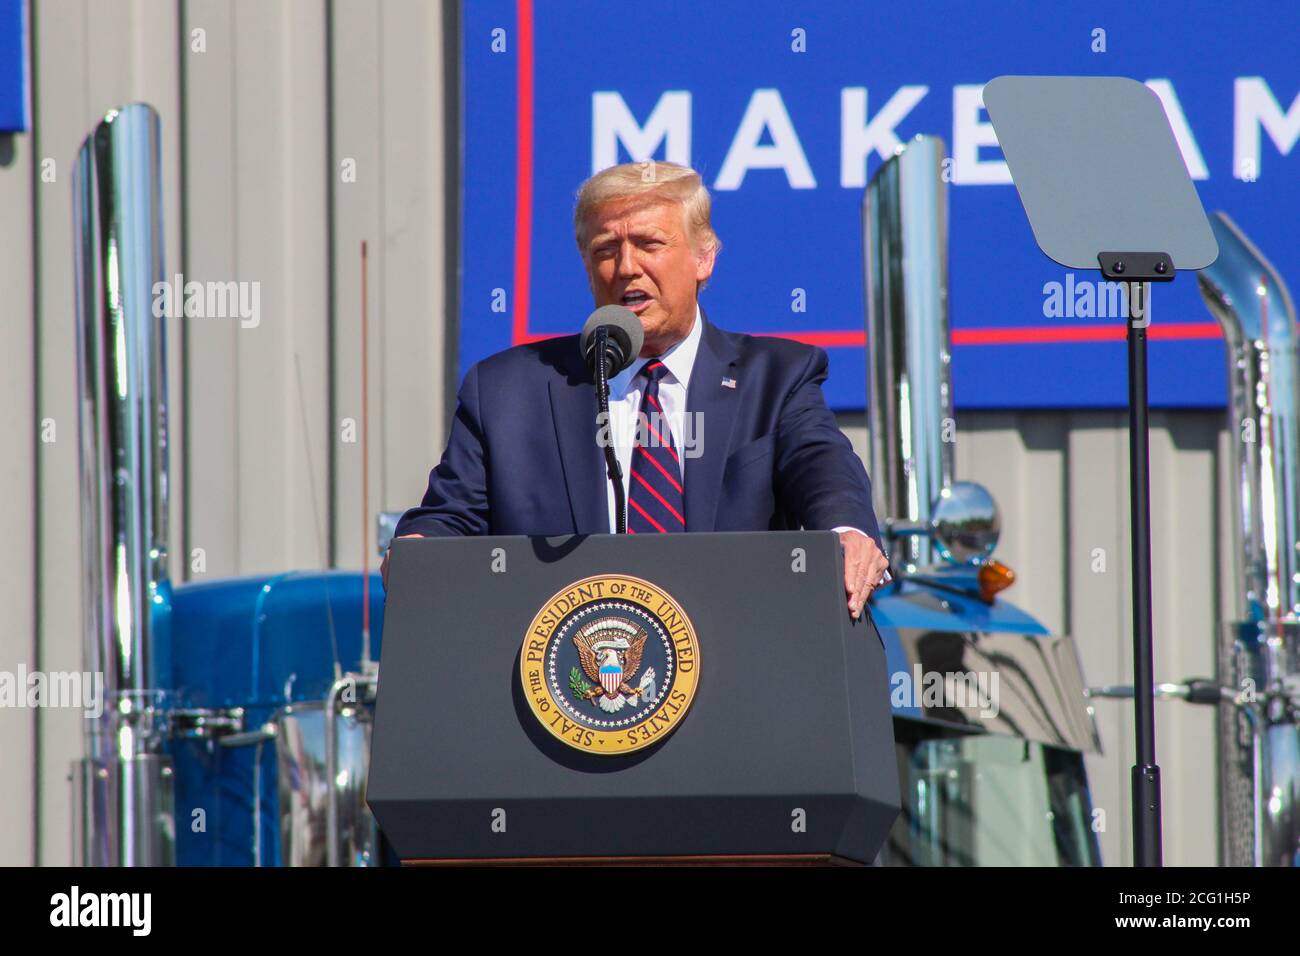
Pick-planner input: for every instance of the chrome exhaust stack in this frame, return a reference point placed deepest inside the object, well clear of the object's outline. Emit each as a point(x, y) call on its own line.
point(125, 777)
point(1259, 651)
point(941, 533)
point(126, 812)
point(932, 521)
point(1248, 297)
point(905, 245)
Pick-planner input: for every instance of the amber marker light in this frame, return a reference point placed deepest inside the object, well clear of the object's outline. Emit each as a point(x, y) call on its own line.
point(994, 576)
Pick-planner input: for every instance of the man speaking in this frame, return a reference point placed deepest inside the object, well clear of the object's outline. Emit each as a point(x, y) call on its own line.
point(712, 430)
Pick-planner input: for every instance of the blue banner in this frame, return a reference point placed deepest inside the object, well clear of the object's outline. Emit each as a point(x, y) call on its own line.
point(788, 112)
point(15, 102)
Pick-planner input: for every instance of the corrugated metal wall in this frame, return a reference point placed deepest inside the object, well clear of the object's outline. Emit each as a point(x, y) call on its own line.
point(292, 131)
point(1061, 482)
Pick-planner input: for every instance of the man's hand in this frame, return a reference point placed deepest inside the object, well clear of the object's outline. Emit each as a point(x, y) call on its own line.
point(864, 569)
point(383, 566)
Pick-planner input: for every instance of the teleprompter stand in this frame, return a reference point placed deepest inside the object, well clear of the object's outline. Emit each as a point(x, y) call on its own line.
point(1104, 186)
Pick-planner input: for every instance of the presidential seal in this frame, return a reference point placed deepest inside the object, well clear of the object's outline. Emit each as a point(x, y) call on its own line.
point(610, 665)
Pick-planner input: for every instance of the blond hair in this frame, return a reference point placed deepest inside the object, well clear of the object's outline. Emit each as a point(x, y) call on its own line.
point(651, 182)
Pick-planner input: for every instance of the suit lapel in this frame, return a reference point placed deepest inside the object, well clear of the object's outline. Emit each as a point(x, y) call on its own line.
point(573, 410)
point(713, 407)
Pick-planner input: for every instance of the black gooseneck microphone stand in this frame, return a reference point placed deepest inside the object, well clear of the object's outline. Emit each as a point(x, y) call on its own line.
point(611, 459)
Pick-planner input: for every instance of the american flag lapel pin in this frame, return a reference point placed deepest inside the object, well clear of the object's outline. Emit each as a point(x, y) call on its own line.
point(728, 383)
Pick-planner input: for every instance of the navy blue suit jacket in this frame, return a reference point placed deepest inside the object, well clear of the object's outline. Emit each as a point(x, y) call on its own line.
point(523, 457)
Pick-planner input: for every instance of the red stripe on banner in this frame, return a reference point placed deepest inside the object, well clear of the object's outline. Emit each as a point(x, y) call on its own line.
point(827, 340)
point(1082, 333)
point(637, 476)
point(523, 168)
point(646, 516)
point(1006, 335)
point(1022, 335)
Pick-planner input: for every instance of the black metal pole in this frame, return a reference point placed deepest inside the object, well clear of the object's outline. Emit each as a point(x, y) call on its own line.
point(611, 459)
point(1146, 774)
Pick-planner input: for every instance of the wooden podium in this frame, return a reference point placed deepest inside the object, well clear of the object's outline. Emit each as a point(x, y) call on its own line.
point(605, 700)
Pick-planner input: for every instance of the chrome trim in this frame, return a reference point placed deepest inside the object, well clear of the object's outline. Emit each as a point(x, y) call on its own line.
point(1259, 745)
point(203, 723)
point(322, 757)
point(356, 682)
point(257, 801)
point(1251, 302)
point(1194, 692)
point(909, 408)
point(385, 525)
point(249, 738)
point(966, 523)
point(122, 423)
point(1039, 692)
point(1259, 739)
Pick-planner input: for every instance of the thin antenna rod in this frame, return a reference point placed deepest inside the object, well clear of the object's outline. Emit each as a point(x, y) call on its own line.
point(317, 523)
point(365, 463)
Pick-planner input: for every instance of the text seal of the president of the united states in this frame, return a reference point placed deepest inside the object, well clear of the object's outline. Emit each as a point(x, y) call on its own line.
point(610, 664)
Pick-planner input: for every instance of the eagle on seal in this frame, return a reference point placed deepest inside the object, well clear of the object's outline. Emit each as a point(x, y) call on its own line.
point(610, 653)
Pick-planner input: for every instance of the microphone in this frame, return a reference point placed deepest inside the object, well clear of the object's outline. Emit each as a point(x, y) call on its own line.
point(610, 342)
point(623, 339)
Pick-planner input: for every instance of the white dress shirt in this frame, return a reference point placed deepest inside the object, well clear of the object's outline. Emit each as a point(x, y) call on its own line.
point(625, 391)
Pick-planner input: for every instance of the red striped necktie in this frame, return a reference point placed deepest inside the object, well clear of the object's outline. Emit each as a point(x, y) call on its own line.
point(654, 499)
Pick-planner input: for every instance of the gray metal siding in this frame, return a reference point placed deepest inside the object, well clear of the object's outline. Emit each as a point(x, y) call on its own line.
point(1061, 483)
